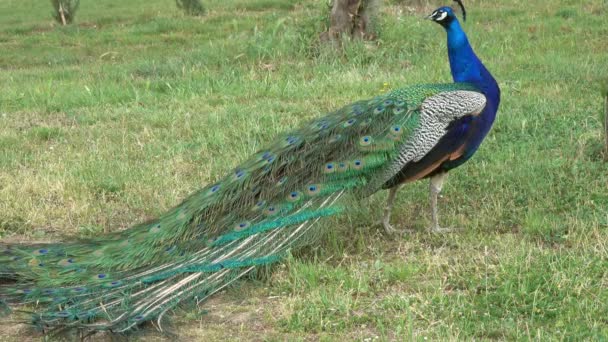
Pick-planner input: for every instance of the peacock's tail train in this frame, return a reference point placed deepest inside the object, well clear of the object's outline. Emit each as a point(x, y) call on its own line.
point(251, 217)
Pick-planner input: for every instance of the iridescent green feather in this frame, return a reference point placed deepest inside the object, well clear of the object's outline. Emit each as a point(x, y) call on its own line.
point(251, 217)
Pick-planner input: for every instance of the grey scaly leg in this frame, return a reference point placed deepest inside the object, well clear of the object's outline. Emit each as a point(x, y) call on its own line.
point(386, 219)
point(436, 184)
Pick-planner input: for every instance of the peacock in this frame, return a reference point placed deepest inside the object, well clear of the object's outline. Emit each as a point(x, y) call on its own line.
point(263, 209)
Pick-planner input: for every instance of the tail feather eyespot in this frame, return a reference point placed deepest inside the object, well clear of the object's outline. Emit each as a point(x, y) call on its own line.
point(329, 168)
point(365, 141)
point(313, 189)
point(294, 196)
point(241, 226)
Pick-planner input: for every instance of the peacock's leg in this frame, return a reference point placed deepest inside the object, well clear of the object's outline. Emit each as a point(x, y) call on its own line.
point(436, 184)
point(386, 219)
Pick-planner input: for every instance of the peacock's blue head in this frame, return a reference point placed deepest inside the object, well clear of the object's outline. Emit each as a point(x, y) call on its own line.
point(445, 15)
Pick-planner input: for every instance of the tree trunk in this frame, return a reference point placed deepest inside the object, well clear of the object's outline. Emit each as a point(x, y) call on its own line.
point(351, 18)
point(62, 14)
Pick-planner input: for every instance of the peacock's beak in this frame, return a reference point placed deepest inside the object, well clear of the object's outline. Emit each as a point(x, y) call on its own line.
point(433, 16)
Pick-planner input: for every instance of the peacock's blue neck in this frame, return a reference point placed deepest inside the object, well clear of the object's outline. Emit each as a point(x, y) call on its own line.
point(466, 66)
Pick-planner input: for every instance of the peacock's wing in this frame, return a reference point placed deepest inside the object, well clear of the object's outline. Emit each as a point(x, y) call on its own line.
point(446, 121)
point(249, 218)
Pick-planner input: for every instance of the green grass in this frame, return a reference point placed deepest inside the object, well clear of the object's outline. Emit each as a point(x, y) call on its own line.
point(115, 119)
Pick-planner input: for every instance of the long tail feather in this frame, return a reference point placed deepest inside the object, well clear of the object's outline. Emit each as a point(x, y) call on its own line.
point(252, 217)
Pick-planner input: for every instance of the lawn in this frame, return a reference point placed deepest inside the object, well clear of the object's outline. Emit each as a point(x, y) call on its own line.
point(117, 118)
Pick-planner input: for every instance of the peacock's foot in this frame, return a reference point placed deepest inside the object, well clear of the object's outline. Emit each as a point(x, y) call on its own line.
point(440, 230)
point(390, 230)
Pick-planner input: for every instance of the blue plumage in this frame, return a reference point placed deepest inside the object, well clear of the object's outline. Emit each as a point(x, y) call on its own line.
point(467, 68)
